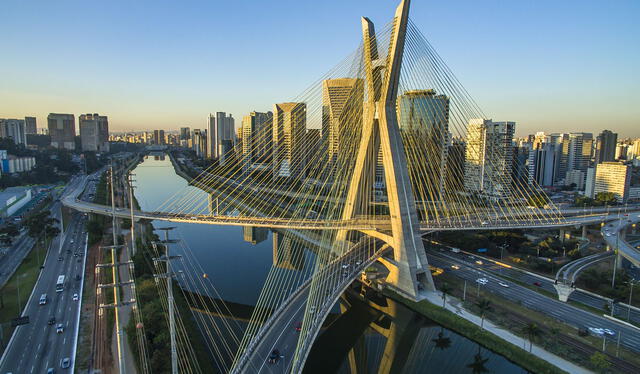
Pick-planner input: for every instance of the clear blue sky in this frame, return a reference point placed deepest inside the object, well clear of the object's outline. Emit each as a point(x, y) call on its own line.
point(549, 65)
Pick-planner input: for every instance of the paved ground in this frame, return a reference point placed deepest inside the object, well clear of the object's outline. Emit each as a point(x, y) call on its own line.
point(531, 299)
point(454, 305)
point(36, 346)
point(13, 256)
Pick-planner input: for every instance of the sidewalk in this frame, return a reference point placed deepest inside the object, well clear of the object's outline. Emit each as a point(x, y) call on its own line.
point(454, 305)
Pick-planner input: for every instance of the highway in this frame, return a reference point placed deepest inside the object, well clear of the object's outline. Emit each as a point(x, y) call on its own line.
point(279, 332)
point(12, 257)
point(37, 346)
point(531, 299)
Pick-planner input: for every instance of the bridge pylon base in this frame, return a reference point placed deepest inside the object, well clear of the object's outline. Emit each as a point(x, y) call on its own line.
point(564, 291)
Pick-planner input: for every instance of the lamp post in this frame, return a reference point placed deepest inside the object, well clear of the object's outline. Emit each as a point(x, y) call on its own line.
point(631, 283)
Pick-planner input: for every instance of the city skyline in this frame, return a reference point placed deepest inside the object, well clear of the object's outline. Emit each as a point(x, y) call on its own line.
point(182, 73)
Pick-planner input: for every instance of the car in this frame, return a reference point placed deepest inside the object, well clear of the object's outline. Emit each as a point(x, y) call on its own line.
point(502, 284)
point(609, 332)
point(484, 223)
point(79, 260)
point(596, 330)
point(52, 320)
point(482, 280)
point(456, 267)
point(537, 284)
point(43, 299)
point(75, 297)
point(59, 328)
point(478, 262)
point(65, 363)
point(60, 258)
point(78, 277)
point(345, 266)
point(51, 371)
point(274, 357)
point(608, 234)
point(298, 326)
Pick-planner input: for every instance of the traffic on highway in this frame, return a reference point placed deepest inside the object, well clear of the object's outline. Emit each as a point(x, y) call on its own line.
point(48, 342)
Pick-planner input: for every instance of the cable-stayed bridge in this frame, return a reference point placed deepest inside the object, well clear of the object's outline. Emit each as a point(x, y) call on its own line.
point(386, 146)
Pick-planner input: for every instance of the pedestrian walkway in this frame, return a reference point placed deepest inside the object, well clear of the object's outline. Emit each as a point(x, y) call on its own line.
point(454, 305)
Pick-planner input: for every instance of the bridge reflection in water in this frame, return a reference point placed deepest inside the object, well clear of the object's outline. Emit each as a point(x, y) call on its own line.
point(370, 333)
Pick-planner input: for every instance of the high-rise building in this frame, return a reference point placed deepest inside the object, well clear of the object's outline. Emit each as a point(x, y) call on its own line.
point(576, 178)
point(221, 136)
point(13, 129)
point(289, 129)
point(423, 115)
point(30, 126)
point(541, 164)
point(454, 173)
point(314, 157)
point(576, 152)
point(62, 129)
point(342, 100)
point(606, 147)
point(199, 142)
point(257, 138)
point(614, 177)
point(94, 132)
point(185, 133)
point(158, 137)
point(489, 158)
point(621, 151)
point(590, 182)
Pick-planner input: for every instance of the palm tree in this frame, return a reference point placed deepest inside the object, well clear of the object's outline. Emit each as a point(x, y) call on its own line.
point(445, 289)
point(531, 330)
point(485, 306)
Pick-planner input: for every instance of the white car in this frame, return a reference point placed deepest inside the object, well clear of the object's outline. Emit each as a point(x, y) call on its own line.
point(456, 267)
point(75, 297)
point(596, 330)
point(503, 284)
point(609, 332)
point(482, 280)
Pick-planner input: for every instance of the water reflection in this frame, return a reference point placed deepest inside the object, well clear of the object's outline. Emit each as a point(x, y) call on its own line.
point(365, 332)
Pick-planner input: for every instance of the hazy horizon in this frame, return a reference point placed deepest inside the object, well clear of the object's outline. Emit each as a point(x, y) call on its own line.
point(553, 67)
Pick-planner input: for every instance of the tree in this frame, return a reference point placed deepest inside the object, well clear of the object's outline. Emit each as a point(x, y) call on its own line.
point(606, 198)
point(538, 200)
point(485, 306)
point(599, 361)
point(532, 331)
point(445, 289)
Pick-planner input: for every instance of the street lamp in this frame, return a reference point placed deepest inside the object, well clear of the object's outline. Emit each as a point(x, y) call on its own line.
point(631, 283)
point(18, 287)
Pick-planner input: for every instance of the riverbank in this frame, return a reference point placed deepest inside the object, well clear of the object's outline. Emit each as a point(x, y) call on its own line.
point(494, 338)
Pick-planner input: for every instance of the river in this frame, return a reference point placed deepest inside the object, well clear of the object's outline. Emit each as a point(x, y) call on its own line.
point(237, 268)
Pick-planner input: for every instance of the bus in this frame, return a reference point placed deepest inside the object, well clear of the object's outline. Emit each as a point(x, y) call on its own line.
point(60, 283)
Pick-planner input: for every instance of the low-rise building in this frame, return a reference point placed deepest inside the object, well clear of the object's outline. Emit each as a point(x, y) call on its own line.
point(12, 199)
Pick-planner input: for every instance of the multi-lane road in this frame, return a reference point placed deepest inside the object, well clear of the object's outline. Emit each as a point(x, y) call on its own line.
point(13, 256)
point(567, 313)
point(37, 346)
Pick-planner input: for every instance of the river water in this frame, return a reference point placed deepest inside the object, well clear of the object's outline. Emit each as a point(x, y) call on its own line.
point(237, 268)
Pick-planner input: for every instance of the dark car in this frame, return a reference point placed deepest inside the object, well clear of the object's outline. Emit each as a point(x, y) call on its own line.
point(537, 284)
point(78, 277)
point(60, 258)
point(52, 320)
point(274, 356)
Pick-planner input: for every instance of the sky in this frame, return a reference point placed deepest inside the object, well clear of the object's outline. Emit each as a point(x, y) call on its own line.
point(552, 66)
